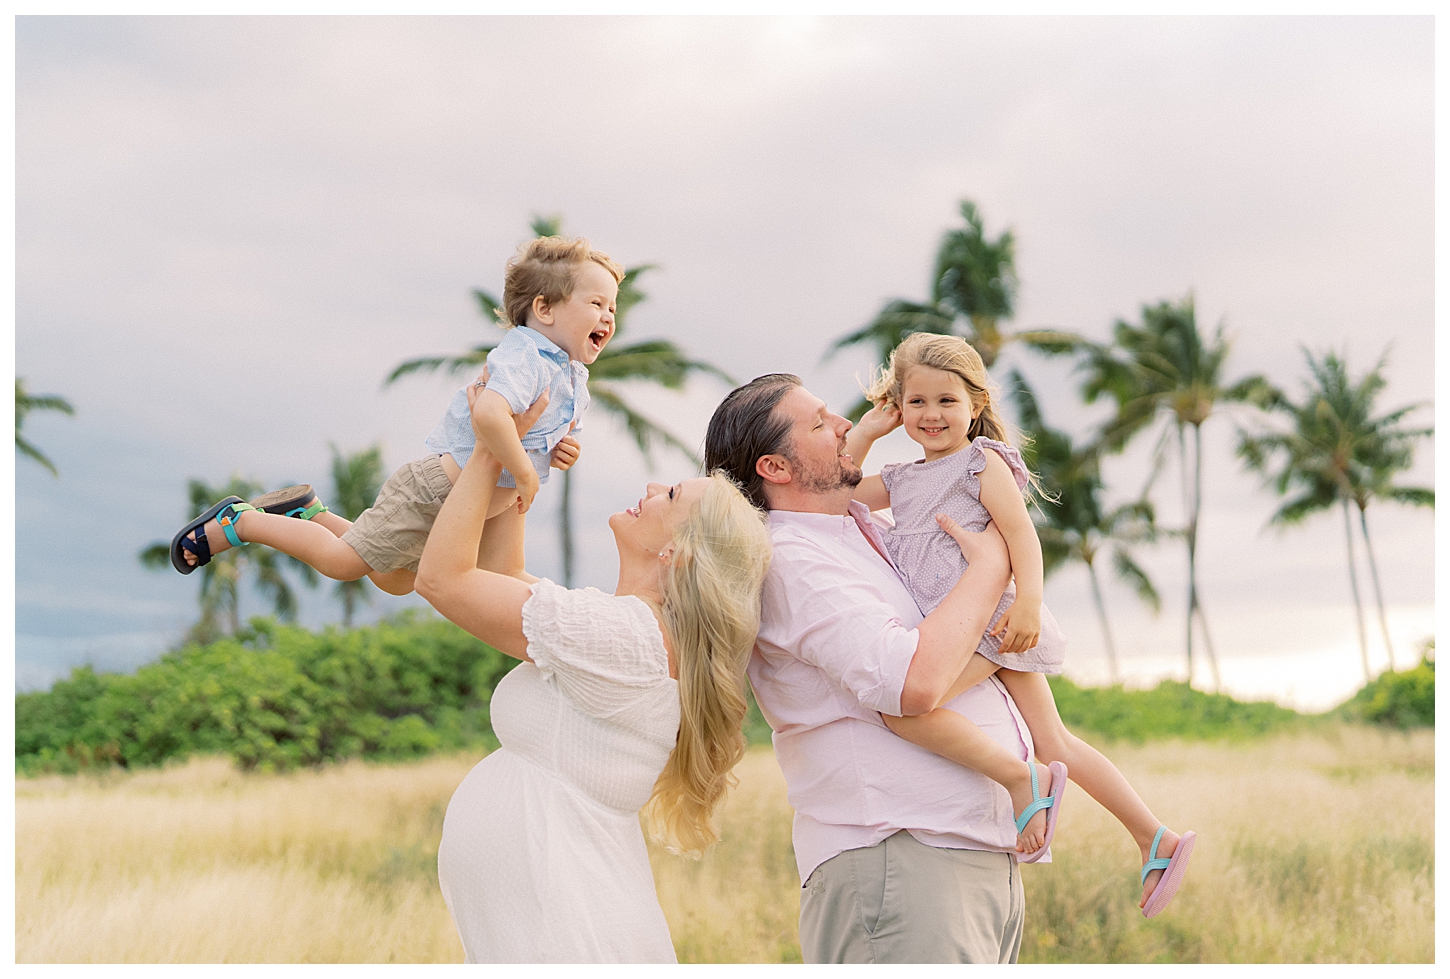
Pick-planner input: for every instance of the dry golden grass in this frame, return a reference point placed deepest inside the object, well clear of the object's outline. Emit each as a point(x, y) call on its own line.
point(1318, 848)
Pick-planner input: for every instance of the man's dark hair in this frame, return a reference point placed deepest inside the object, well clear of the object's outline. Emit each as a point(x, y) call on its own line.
point(746, 427)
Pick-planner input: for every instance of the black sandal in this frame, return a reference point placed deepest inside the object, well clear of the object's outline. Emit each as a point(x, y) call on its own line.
point(200, 547)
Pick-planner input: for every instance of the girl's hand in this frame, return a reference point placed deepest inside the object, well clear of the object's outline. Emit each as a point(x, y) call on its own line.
point(1020, 627)
point(879, 422)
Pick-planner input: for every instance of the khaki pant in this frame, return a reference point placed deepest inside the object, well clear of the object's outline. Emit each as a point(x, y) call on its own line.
point(901, 901)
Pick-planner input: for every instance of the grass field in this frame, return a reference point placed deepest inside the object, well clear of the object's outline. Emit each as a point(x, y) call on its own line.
point(1312, 848)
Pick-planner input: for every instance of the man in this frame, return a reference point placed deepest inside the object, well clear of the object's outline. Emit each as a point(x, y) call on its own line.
point(903, 855)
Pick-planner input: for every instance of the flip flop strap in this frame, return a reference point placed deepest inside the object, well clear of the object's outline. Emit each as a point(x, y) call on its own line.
point(1155, 862)
point(226, 519)
point(1039, 801)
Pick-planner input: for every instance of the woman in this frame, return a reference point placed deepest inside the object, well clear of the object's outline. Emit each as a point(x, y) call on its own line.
point(623, 701)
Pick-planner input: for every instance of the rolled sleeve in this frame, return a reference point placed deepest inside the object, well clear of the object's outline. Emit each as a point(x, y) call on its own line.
point(519, 375)
point(846, 630)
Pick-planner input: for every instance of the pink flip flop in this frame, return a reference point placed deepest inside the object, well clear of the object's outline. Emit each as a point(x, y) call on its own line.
point(1173, 871)
point(1052, 802)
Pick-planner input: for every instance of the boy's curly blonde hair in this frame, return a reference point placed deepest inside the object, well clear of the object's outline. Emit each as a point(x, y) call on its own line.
point(546, 267)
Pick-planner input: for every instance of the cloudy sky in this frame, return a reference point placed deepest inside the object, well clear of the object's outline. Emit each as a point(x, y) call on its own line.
point(229, 230)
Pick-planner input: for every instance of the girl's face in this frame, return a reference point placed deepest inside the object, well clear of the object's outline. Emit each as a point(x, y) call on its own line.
point(936, 411)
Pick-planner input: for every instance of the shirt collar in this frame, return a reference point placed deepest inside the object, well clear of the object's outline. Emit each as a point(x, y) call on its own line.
point(546, 346)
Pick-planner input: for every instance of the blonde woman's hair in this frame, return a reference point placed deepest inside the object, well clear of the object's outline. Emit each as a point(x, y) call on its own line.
point(712, 610)
point(945, 352)
point(546, 267)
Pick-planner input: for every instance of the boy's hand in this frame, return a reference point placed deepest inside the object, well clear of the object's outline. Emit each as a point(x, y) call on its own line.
point(528, 487)
point(879, 422)
point(565, 454)
point(1020, 627)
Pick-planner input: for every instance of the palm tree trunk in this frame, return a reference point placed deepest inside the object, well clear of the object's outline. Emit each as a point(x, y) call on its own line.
point(1379, 597)
point(1354, 589)
point(1103, 618)
point(349, 598)
point(1192, 547)
point(1192, 593)
point(566, 531)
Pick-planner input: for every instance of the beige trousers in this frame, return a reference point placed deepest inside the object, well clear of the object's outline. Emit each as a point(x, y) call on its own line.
point(902, 901)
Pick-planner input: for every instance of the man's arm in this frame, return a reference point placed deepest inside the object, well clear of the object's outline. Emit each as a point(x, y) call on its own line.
point(951, 633)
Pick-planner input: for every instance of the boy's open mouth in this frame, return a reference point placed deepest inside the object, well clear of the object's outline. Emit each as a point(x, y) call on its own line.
point(598, 339)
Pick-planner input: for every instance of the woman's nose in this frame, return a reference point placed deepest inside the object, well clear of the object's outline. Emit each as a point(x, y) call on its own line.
point(653, 489)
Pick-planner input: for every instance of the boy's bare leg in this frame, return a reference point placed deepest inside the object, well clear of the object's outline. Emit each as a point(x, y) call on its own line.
point(949, 734)
point(309, 542)
point(397, 582)
point(1087, 767)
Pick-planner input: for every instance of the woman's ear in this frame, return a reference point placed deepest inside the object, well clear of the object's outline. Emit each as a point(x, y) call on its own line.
point(542, 311)
point(667, 554)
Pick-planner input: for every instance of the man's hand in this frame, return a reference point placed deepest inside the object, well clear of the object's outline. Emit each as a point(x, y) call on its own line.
point(985, 548)
point(1020, 627)
point(565, 454)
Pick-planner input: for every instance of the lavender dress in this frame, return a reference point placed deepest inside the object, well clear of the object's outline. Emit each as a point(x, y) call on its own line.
point(929, 559)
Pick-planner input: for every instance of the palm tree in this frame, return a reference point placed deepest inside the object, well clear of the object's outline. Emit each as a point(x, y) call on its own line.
point(1070, 519)
point(1336, 451)
point(356, 480)
point(25, 403)
point(221, 577)
point(1167, 369)
point(655, 361)
point(973, 289)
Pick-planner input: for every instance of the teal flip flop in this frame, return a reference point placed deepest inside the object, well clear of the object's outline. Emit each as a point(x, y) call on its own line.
point(1173, 870)
point(1050, 802)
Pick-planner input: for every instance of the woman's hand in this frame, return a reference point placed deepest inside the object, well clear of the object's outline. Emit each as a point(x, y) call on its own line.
point(522, 421)
point(1020, 627)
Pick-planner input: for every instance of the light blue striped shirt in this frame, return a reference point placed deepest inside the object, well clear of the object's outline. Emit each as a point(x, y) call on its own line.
point(521, 368)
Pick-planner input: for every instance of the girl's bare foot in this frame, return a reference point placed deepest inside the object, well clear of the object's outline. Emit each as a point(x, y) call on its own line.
point(1166, 847)
point(1034, 834)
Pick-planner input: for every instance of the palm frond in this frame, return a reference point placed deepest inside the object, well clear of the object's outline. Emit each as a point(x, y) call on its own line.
point(645, 432)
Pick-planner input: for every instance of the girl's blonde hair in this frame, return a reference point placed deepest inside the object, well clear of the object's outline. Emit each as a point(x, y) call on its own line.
point(546, 267)
point(945, 352)
point(712, 609)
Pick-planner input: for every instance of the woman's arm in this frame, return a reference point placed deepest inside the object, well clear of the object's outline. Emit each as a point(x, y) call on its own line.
point(1021, 625)
point(485, 604)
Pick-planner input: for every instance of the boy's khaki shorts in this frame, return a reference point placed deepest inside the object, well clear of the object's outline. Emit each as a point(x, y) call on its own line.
point(391, 533)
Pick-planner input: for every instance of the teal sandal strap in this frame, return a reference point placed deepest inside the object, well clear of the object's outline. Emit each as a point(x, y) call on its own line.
point(1155, 862)
point(1039, 802)
point(227, 517)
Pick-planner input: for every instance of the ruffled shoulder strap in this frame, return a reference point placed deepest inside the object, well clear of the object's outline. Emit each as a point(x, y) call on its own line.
point(890, 472)
point(601, 649)
point(976, 460)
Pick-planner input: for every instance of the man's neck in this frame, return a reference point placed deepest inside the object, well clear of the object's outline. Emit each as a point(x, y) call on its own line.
point(835, 503)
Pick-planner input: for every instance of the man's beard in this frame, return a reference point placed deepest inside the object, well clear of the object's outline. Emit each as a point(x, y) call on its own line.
point(826, 479)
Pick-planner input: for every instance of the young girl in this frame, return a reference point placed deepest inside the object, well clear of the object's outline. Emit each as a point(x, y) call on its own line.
point(937, 388)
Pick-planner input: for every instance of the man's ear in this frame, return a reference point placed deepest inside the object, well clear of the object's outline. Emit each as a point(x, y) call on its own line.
point(542, 311)
point(774, 468)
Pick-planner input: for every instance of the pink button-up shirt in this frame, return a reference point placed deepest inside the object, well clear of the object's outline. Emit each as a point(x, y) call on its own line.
point(837, 634)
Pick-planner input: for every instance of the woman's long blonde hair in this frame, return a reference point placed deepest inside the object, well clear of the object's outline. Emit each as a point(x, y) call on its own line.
point(712, 609)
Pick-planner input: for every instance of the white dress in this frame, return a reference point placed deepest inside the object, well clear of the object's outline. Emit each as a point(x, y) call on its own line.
point(542, 857)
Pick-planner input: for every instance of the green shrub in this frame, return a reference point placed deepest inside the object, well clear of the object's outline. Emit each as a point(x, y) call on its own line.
point(273, 698)
point(1169, 710)
point(1404, 700)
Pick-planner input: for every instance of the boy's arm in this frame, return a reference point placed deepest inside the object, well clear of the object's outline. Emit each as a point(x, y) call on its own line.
point(1020, 626)
point(493, 423)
